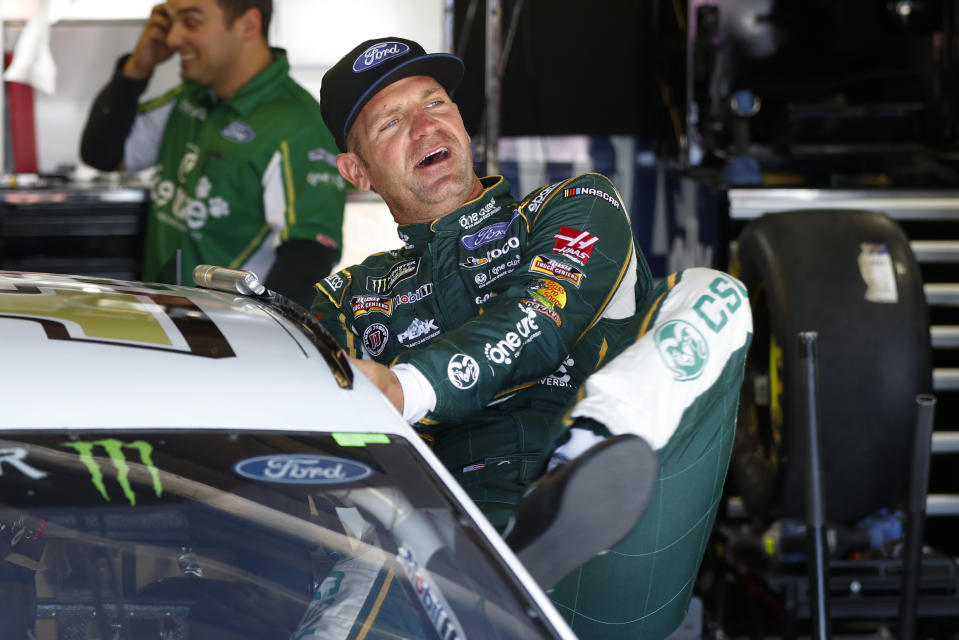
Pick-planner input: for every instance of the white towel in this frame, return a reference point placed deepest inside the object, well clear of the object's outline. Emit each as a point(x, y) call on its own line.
point(32, 60)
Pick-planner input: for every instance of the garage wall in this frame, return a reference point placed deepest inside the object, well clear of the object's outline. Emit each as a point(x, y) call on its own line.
point(94, 33)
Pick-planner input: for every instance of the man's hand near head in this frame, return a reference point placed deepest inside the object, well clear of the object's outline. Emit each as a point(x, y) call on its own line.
point(151, 48)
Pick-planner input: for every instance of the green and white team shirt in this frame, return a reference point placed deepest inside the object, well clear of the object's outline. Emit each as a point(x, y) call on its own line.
point(236, 177)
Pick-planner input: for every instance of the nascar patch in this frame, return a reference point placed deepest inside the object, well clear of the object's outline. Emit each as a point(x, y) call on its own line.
point(574, 244)
point(556, 269)
point(590, 191)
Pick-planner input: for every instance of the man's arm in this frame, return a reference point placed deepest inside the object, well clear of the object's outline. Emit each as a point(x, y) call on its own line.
point(115, 107)
point(310, 195)
point(110, 120)
point(578, 267)
point(298, 266)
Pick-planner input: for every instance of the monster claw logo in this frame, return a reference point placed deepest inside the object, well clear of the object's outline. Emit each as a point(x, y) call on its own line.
point(682, 348)
point(114, 450)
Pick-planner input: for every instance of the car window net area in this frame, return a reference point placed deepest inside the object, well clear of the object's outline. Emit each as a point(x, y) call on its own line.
point(227, 535)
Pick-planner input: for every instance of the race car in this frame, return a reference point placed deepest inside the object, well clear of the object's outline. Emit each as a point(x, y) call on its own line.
point(180, 462)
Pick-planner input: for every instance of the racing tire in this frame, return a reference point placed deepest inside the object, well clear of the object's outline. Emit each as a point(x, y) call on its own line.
point(803, 271)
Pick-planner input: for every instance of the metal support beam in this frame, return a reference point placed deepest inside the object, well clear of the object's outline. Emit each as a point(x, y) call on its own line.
point(494, 48)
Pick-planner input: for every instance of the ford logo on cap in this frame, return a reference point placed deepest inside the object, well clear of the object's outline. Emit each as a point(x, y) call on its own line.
point(302, 469)
point(379, 53)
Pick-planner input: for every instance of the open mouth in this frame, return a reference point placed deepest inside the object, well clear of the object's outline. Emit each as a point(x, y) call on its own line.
point(434, 156)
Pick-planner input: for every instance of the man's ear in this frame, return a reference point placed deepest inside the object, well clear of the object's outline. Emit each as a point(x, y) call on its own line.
point(251, 23)
point(353, 170)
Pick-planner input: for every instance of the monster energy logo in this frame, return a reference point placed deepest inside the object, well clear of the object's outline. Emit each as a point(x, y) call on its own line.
point(114, 449)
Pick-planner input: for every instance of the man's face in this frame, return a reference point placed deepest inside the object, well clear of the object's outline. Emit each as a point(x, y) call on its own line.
point(207, 48)
point(413, 150)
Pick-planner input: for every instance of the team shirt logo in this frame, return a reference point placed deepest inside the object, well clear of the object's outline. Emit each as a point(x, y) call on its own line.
point(589, 191)
point(418, 329)
point(238, 131)
point(561, 377)
point(556, 269)
point(513, 342)
point(463, 371)
point(368, 304)
point(537, 306)
point(549, 293)
point(487, 234)
point(321, 155)
point(682, 348)
point(383, 285)
point(540, 198)
point(375, 337)
point(574, 244)
point(472, 262)
point(468, 220)
point(334, 281)
point(414, 296)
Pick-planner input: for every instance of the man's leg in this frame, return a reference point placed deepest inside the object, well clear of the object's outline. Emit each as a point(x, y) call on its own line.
point(676, 387)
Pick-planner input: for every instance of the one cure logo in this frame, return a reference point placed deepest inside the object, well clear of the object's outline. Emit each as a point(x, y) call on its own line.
point(506, 349)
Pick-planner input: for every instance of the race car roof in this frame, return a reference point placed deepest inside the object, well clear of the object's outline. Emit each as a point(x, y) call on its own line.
point(83, 352)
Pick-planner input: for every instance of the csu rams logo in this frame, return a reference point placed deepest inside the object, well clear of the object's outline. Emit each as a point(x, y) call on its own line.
point(682, 348)
point(463, 371)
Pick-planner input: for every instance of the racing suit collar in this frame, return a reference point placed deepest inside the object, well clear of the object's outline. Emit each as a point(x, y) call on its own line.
point(417, 236)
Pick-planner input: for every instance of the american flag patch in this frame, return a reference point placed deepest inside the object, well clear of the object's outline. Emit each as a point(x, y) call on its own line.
point(474, 467)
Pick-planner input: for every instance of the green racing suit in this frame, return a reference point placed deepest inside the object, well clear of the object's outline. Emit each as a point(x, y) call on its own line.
point(525, 325)
point(505, 306)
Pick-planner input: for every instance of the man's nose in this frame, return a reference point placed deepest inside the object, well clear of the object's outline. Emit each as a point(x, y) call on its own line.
point(174, 36)
point(422, 124)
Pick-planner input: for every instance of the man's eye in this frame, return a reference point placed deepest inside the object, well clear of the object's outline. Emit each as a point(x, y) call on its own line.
point(434, 103)
point(389, 123)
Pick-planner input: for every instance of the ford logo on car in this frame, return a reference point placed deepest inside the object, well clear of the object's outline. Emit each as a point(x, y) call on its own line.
point(302, 469)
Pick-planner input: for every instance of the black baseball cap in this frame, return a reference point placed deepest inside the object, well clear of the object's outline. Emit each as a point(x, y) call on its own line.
point(371, 66)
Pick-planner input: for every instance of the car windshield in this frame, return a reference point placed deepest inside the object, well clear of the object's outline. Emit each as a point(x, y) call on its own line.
point(242, 535)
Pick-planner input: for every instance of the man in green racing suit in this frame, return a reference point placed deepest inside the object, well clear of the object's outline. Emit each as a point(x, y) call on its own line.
point(484, 326)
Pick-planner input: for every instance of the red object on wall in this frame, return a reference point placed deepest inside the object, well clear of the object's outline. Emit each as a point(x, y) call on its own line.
point(22, 129)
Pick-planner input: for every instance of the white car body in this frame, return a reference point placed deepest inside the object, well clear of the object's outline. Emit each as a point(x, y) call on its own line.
point(88, 356)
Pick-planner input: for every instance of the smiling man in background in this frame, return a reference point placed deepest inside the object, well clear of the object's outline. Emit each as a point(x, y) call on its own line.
point(246, 168)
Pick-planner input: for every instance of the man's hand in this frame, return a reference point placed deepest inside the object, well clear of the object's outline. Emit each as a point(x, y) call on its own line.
point(383, 378)
point(151, 48)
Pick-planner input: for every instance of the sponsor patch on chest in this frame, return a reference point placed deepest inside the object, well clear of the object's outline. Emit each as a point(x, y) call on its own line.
point(375, 337)
point(383, 285)
point(238, 132)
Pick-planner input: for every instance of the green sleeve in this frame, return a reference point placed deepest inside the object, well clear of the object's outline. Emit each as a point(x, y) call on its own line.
point(539, 311)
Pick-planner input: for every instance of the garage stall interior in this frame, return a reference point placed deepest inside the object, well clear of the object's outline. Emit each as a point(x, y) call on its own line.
point(810, 147)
